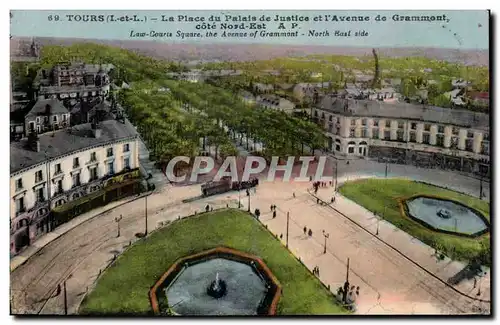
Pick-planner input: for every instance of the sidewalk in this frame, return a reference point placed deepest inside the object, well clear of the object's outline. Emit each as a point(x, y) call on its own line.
point(411, 247)
point(46, 239)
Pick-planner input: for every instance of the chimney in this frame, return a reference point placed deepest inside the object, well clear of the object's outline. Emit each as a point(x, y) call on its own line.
point(96, 130)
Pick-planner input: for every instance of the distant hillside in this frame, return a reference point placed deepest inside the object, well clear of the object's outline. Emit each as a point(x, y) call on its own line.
point(251, 52)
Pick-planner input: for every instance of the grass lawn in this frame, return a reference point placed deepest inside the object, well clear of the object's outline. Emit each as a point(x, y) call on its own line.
point(381, 197)
point(124, 287)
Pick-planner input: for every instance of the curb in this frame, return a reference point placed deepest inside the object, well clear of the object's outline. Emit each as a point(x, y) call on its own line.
point(80, 223)
point(399, 252)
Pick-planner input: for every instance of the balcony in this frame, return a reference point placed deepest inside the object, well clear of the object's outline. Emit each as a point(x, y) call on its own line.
point(76, 165)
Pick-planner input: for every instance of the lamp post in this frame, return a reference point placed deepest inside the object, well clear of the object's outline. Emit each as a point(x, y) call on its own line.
point(346, 284)
point(239, 196)
point(326, 235)
point(287, 227)
point(378, 222)
point(481, 186)
point(65, 296)
point(386, 168)
point(146, 215)
point(117, 219)
point(336, 176)
point(248, 194)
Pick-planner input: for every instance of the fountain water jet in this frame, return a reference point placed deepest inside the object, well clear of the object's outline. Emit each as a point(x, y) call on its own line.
point(217, 288)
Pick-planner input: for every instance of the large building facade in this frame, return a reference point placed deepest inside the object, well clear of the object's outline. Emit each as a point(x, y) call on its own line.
point(57, 176)
point(431, 137)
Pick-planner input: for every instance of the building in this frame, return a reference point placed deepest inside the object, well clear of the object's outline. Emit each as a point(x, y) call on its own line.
point(262, 88)
point(408, 134)
point(247, 97)
point(276, 103)
point(56, 176)
point(73, 80)
point(46, 115)
point(308, 91)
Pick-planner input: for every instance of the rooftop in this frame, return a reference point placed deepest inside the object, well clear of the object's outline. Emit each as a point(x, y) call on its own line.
point(399, 110)
point(45, 106)
point(62, 142)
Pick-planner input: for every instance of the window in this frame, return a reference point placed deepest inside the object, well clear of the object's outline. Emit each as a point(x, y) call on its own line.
point(38, 119)
point(485, 148)
point(375, 122)
point(470, 134)
point(469, 144)
point(39, 195)
point(20, 208)
point(329, 119)
point(76, 179)
point(413, 137)
point(93, 174)
point(59, 188)
point(330, 128)
point(126, 146)
point(426, 138)
point(364, 133)
point(64, 117)
point(351, 150)
point(338, 119)
point(455, 130)
point(111, 168)
point(126, 163)
point(486, 137)
point(387, 135)
point(401, 125)
point(427, 127)
point(19, 184)
point(58, 168)
point(54, 118)
point(440, 128)
point(352, 133)
point(375, 133)
point(363, 121)
point(400, 135)
point(38, 176)
point(414, 126)
point(353, 122)
point(337, 147)
point(109, 152)
point(440, 140)
point(76, 162)
point(93, 156)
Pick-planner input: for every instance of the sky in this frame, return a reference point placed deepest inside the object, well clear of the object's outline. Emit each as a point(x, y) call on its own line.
point(463, 29)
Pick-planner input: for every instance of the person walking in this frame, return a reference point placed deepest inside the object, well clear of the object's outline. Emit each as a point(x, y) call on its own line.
point(274, 214)
point(317, 271)
point(310, 233)
point(294, 195)
point(305, 230)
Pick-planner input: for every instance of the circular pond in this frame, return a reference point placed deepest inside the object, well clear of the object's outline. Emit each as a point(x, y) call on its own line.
point(447, 216)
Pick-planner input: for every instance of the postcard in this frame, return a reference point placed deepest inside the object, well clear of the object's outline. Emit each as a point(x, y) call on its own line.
point(250, 163)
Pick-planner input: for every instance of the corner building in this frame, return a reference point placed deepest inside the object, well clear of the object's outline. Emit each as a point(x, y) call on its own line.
point(425, 136)
point(55, 177)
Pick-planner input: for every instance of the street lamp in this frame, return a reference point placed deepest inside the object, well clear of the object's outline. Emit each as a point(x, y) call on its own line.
point(117, 219)
point(326, 235)
point(65, 296)
point(248, 194)
point(239, 196)
point(287, 227)
point(378, 222)
point(146, 215)
point(386, 168)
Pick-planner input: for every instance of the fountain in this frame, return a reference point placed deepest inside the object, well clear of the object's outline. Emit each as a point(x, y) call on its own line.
point(443, 213)
point(217, 288)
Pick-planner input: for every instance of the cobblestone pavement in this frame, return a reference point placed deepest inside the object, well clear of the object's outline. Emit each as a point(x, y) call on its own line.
point(389, 283)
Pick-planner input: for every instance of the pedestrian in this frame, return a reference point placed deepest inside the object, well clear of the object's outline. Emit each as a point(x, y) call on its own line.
point(310, 233)
point(207, 208)
point(317, 270)
point(275, 207)
point(305, 230)
point(281, 236)
point(271, 207)
point(274, 214)
point(293, 194)
point(475, 283)
point(331, 201)
point(357, 291)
